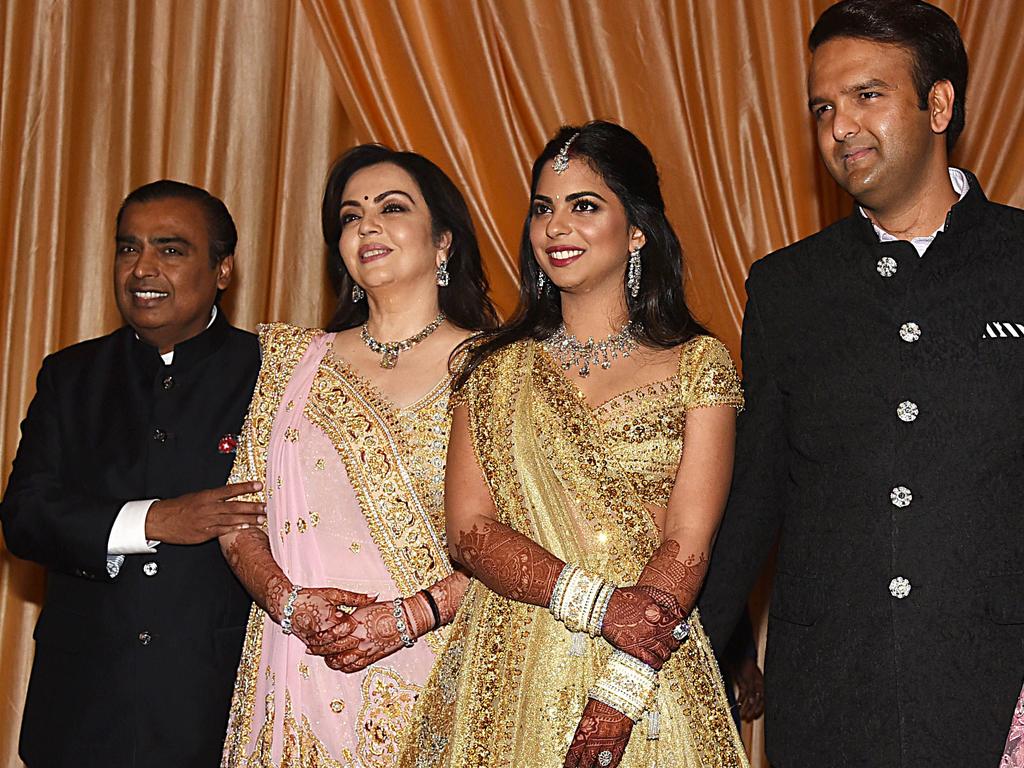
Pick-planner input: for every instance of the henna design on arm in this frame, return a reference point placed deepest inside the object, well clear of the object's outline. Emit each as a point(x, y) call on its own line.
point(601, 728)
point(375, 636)
point(509, 563)
point(249, 556)
point(640, 619)
point(677, 577)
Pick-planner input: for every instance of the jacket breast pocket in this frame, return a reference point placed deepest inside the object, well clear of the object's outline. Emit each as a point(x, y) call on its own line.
point(797, 599)
point(1004, 598)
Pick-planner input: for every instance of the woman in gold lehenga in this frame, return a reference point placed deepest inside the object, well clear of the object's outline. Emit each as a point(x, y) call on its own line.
point(572, 498)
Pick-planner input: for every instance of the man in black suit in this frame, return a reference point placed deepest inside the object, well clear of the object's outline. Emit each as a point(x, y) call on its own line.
point(141, 630)
point(881, 444)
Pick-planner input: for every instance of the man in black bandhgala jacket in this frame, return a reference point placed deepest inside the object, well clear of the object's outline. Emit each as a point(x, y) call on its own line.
point(883, 441)
point(142, 626)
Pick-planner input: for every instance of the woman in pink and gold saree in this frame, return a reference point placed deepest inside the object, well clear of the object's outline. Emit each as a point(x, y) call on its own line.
point(585, 482)
point(347, 433)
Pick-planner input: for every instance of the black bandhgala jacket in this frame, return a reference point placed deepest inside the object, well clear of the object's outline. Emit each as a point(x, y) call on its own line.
point(882, 446)
point(135, 670)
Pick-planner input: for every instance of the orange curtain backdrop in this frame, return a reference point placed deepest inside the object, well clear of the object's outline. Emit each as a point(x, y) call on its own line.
point(99, 97)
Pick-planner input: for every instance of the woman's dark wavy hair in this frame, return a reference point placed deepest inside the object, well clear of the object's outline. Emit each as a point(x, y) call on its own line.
point(927, 32)
point(464, 300)
point(659, 311)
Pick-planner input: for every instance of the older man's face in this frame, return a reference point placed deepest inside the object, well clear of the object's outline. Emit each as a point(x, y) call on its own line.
point(163, 281)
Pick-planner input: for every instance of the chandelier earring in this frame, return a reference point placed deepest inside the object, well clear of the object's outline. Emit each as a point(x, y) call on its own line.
point(633, 273)
point(358, 294)
point(443, 278)
point(542, 282)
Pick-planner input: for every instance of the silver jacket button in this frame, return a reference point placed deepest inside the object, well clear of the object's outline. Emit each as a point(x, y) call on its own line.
point(145, 638)
point(907, 411)
point(901, 496)
point(910, 332)
point(899, 587)
point(886, 266)
point(150, 568)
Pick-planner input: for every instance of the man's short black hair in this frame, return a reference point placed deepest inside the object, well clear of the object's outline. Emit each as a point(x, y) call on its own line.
point(928, 33)
point(220, 226)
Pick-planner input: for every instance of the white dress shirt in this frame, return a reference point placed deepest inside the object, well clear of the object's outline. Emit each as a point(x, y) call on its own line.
point(960, 185)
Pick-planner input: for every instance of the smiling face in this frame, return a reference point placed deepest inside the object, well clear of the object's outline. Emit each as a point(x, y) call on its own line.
point(386, 230)
point(579, 231)
point(876, 141)
point(163, 281)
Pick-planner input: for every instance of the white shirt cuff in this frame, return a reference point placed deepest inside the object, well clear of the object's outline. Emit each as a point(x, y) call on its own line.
point(128, 533)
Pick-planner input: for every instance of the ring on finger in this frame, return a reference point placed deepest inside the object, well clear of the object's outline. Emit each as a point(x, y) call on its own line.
point(604, 758)
point(681, 631)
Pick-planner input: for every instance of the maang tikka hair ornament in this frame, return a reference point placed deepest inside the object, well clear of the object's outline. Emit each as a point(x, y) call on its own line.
point(561, 161)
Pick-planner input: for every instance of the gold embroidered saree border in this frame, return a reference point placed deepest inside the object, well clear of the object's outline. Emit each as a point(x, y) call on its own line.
point(368, 439)
point(281, 348)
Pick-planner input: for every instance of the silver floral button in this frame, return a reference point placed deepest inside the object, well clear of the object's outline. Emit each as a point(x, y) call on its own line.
point(899, 587)
point(907, 411)
point(901, 496)
point(886, 266)
point(150, 568)
point(910, 332)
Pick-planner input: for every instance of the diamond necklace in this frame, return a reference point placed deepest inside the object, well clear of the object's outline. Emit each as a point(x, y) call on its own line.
point(389, 350)
point(570, 352)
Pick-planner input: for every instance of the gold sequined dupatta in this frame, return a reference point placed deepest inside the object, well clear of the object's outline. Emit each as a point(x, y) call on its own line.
point(510, 687)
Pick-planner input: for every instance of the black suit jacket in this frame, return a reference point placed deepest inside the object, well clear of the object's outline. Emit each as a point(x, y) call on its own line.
point(135, 670)
point(896, 630)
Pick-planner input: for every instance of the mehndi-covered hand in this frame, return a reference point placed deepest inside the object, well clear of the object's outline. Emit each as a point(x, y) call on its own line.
point(600, 738)
point(373, 634)
point(316, 611)
point(639, 621)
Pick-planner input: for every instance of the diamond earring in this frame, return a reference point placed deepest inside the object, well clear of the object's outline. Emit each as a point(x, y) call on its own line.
point(443, 277)
point(633, 273)
point(542, 282)
point(357, 293)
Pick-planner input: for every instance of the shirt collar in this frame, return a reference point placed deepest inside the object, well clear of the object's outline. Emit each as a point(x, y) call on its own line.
point(960, 185)
point(168, 357)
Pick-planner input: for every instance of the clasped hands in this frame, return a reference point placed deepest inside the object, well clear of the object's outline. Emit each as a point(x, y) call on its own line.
point(348, 640)
point(639, 621)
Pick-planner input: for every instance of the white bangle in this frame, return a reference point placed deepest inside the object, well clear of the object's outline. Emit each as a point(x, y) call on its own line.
point(580, 600)
point(627, 685)
point(289, 609)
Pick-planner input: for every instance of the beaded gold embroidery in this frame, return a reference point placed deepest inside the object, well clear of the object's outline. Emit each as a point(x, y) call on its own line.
point(508, 690)
point(281, 347)
point(395, 461)
point(384, 717)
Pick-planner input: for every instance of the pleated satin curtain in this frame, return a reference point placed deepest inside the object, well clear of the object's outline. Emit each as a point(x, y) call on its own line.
point(236, 95)
point(99, 97)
